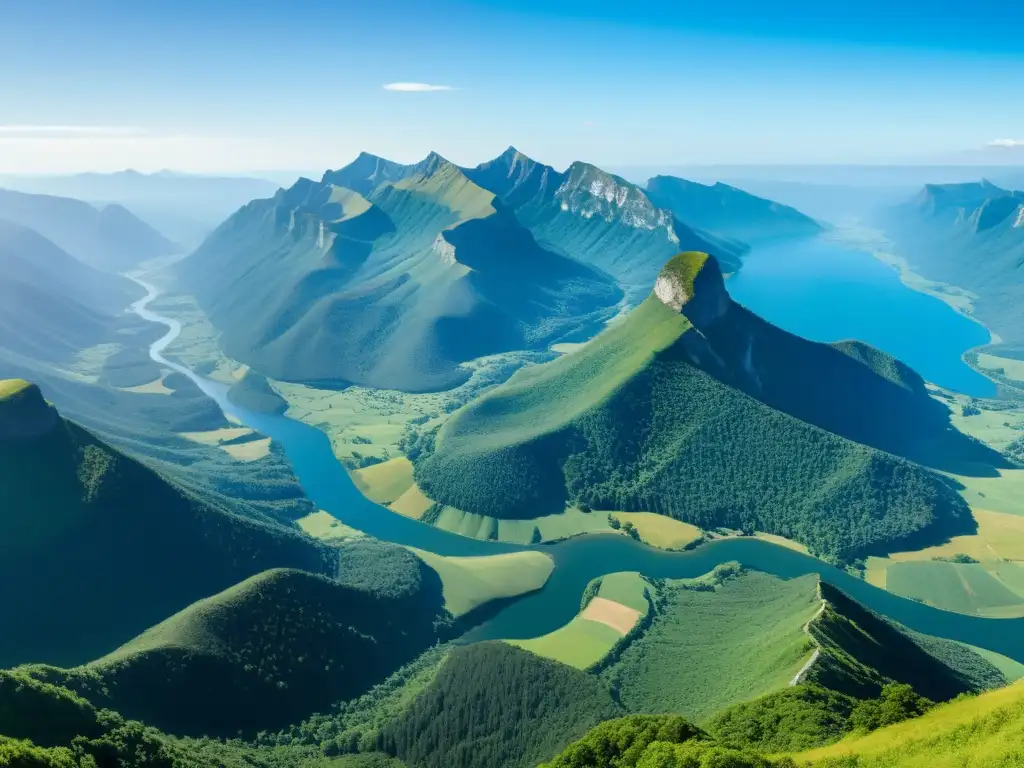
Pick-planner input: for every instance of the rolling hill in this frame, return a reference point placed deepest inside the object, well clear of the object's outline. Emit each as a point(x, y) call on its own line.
point(393, 286)
point(971, 236)
point(695, 408)
point(95, 547)
point(51, 304)
point(273, 649)
point(109, 238)
point(729, 211)
point(598, 218)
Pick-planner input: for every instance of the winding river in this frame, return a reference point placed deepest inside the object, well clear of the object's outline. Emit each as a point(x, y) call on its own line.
point(577, 560)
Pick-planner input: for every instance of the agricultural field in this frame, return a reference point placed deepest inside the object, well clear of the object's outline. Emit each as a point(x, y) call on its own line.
point(240, 443)
point(385, 482)
point(155, 387)
point(572, 522)
point(323, 525)
point(962, 587)
point(710, 648)
point(412, 503)
point(610, 614)
point(1005, 366)
point(470, 582)
point(660, 530)
point(367, 425)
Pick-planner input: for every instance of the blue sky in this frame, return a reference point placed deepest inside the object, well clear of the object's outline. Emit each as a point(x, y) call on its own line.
point(230, 86)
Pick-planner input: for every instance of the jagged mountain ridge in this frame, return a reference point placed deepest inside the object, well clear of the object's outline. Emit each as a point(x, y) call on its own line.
point(394, 288)
point(598, 218)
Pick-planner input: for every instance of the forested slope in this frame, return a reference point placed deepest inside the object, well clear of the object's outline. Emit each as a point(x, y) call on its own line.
point(96, 547)
point(695, 408)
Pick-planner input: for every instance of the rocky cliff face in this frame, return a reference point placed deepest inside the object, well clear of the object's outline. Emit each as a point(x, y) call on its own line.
point(588, 191)
point(24, 413)
point(692, 283)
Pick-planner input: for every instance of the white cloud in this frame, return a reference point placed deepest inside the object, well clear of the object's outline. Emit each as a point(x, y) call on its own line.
point(416, 87)
point(67, 131)
point(1007, 143)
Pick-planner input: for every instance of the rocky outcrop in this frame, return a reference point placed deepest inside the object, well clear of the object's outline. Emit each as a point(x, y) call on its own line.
point(692, 283)
point(24, 412)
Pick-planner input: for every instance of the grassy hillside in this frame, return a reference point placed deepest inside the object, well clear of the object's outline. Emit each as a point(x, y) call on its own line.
point(729, 211)
point(753, 617)
point(272, 649)
point(110, 238)
point(596, 218)
point(973, 732)
point(96, 547)
point(967, 235)
point(391, 285)
point(716, 418)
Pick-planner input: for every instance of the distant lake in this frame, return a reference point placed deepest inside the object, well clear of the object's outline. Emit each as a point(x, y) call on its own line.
point(822, 291)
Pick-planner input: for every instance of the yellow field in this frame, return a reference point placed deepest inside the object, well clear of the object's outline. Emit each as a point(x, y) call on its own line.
point(593, 633)
point(782, 542)
point(771, 538)
point(384, 482)
point(216, 436)
point(1000, 536)
point(469, 582)
point(579, 643)
point(323, 525)
point(413, 503)
point(254, 450)
point(619, 617)
point(977, 732)
point(1012, 369)
point(659, 530)
point(155, 387)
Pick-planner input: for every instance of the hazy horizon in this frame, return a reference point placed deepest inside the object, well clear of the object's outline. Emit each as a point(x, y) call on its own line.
point(229, 88)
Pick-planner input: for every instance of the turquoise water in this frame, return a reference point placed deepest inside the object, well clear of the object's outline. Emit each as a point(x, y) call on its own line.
point(824, 292)
point(577, 560)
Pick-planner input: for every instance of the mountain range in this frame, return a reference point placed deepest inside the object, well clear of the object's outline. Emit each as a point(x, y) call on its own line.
point(183, 207)
point(694, 407)
point(51, 304)
point(392, 276)
point(972, 236)
point(730, 211)
point(110, 238)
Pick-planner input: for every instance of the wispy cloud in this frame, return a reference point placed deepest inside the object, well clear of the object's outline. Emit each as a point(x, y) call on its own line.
point(68, 131)
point(417, 87)
point(1007, 143)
